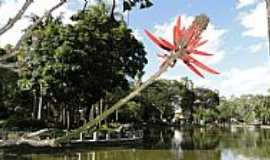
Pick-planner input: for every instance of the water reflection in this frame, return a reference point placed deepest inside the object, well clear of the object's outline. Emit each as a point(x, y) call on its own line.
point(168, 144)
point(176, 143)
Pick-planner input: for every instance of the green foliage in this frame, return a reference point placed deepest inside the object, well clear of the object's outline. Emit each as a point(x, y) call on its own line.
point(205, 105)
point(158, 103)
point(76, 65)
point(247, 108)
point(8, 90)
point(76, 59)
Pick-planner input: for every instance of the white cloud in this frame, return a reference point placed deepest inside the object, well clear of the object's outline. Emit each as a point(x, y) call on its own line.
point(10, 8)
point(236, 81)
point(214, 35)
point(243, 3)
point(257, 47)
point(254, 21)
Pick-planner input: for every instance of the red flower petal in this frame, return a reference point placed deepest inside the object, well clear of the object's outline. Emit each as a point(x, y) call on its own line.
point(176, 35)
point(192, 43)
point(190, 33)
point(201, 65)
point(167, 44)
point(177, 31)
point(157, 41)
point(190, 66)
point(200, 43)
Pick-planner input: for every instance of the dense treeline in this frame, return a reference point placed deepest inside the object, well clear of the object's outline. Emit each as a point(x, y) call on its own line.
point(251, 109)
point(161, 102)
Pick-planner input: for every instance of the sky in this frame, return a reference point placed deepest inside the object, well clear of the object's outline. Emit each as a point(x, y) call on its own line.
point(237, 35)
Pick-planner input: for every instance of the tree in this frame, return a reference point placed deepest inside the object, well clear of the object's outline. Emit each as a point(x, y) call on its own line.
point(187, 99)
point(161, 97)
point(226, 110)
point(75, 65)
point(205, 104)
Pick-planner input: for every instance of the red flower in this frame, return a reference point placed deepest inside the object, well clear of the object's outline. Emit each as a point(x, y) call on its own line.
point(185, 41)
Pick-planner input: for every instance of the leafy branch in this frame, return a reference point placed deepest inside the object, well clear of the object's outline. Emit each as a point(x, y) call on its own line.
point(17, 17)
point(28, 32)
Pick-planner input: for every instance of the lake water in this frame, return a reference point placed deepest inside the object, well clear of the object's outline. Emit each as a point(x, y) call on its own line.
point(167, 144)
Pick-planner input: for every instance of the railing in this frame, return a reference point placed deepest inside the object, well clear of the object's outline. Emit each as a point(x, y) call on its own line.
point(107, 137)
point(94, 137)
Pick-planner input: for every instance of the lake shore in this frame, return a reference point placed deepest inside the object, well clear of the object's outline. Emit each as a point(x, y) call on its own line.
point(251, 126)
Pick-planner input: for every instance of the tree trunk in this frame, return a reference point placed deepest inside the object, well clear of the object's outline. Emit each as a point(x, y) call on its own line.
point(91, 113)
point(64, 115)
point(40, 102)
point(100, 109)
point(54, 113)
point(68, 119)
point(161, 116)
point(60, 115)
point(39, 107)
point(34, 114)
point(97, 109)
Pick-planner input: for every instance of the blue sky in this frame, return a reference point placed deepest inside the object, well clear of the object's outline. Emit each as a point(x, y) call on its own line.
point(238, 40)
point(237, 35)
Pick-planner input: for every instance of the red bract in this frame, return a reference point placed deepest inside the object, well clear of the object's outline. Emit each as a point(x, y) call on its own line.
point(185, 44)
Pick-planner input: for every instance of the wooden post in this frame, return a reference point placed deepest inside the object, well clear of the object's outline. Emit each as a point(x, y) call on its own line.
point(81, 136)
point(95, 137)
point(107, 136)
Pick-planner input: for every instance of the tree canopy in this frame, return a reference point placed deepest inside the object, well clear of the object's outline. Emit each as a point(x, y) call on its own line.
point(75, 65)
